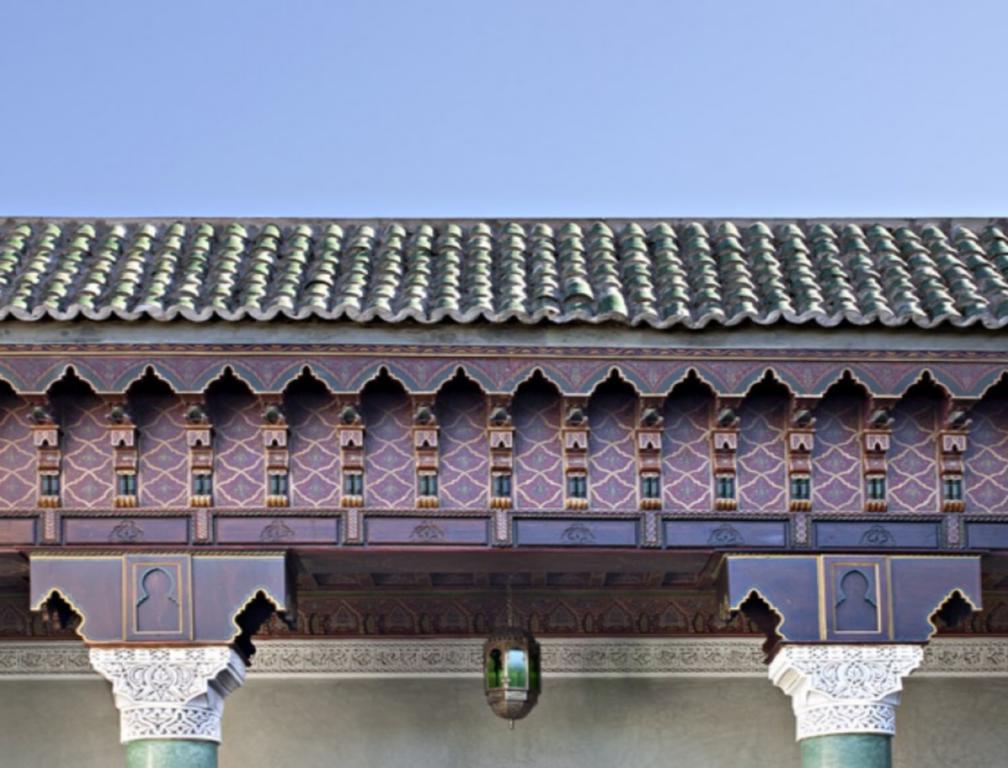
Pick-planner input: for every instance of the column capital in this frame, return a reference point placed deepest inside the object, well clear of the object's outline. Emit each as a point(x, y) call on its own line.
point(170, 692)
point(838, 689)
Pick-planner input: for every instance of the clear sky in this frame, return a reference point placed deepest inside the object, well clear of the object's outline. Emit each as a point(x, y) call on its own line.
point(505, 108)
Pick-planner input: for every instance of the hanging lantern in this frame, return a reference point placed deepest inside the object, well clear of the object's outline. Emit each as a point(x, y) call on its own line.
point(511, 670)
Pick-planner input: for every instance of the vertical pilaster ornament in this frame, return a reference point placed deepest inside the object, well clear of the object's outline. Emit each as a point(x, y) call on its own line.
point(575, 447)
point(46, 438)
point(500, 432)
point(199, 440)
point(877, 438)
point(724, 439)
point(425, 451)
point(170, 692)
point(952, 447)
point(837, 689)
point(126, 460)
point(351, 443)
point(800, 437)
point(649, 488)
point(274, 434)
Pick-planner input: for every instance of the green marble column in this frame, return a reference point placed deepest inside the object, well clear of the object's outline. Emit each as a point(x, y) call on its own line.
point(846, 750)
point(171, 753)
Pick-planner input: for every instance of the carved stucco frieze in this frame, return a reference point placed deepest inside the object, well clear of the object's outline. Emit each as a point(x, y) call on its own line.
point(844, 688)
point(170, 693)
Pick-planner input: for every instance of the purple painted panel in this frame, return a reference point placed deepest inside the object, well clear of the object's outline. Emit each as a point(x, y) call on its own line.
point(128, 530)
point(389, 474)
point(17, 530)
point(239, 458)
point(612, 461)
point(686, 464)
point(315, 475)
point(874, 535)
point(277, 530)
point(88, 478)
point(836, 454)
point(987, 535)
point(576, 533)
point(538, 452)
point(164, 456)
point(912, 466)
point(986, 475)
point(464, 462)
point(762, 476)
point(17, 455)
point(432, 532)
point(725, 533)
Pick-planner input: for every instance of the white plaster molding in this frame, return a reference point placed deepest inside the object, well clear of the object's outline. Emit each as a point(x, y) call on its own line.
point(170, 693)
point(844, 688)
point(980, 657)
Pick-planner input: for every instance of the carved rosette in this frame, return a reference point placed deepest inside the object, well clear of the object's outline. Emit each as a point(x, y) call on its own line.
point(837, 689)
point(170, 693)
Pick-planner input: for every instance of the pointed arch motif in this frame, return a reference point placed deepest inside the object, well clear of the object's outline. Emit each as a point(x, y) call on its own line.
point(389, 465)
point(464, 462)
point(762, 449)
point(538, 464)
point(912, 460)
point(837, 471)
point(612, 458)
point(686, 446)
point(239, 460)
point(87, 458)
point(163, 456)
point(313, 414)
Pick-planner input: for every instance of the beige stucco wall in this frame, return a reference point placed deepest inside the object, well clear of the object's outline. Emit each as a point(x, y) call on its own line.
point(742, 723)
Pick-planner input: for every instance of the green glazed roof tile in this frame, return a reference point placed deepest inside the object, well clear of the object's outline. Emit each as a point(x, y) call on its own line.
point(660, 274)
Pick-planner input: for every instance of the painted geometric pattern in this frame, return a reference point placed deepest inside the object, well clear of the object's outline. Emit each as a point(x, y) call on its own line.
point(87, 453)
point(239, 459)
point(17, 457)
point(686, 452)
point(538, 453)
point(986, 475)
point(912, 467)
point(464, 465)
point(315, 477)
point(836, 455)
point(761, 453)
point(612, 464)
point(389, 474)
point(164, 457)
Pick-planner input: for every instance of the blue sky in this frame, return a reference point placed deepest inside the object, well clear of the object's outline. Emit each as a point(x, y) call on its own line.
point(506, 108)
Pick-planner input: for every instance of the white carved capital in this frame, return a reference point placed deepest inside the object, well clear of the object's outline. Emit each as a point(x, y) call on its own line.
point(844, 688)
point(170, 693)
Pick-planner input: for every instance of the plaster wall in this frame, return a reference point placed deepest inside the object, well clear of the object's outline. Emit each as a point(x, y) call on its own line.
point(596, 723)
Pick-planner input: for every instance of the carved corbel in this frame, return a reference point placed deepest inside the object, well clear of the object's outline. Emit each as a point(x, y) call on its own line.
point(351, 443)
point(952, 447)
point(575, 447)
point(126, 460)
point(500, 432)
point(199, 439)
point(724, 438)
point(801, 436)
point(649, 440)
point(274, 433)
point(46, 439)
point(877, 436)
point(425, 451)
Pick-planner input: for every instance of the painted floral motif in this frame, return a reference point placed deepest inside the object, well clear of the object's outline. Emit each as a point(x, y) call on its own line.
point(537, 455)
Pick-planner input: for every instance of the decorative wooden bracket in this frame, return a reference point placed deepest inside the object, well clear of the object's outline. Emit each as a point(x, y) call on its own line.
point(801, 436)
point(425, 450)
point(953, 436)
point(122, 436)
point(351, 443)
point(877, 438)
point(847, 598)
point(164, 598)
point(500, 432)
point(649, 443)
point(575, 446)
point(46, 438)
point(199, 439)
point(724, 439)
point(274, 433)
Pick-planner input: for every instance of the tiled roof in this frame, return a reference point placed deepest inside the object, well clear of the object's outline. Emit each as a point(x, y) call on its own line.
point(658, 273)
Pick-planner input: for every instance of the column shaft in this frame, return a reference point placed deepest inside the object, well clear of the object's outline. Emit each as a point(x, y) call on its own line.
point(863, 750)
point(173, 753)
